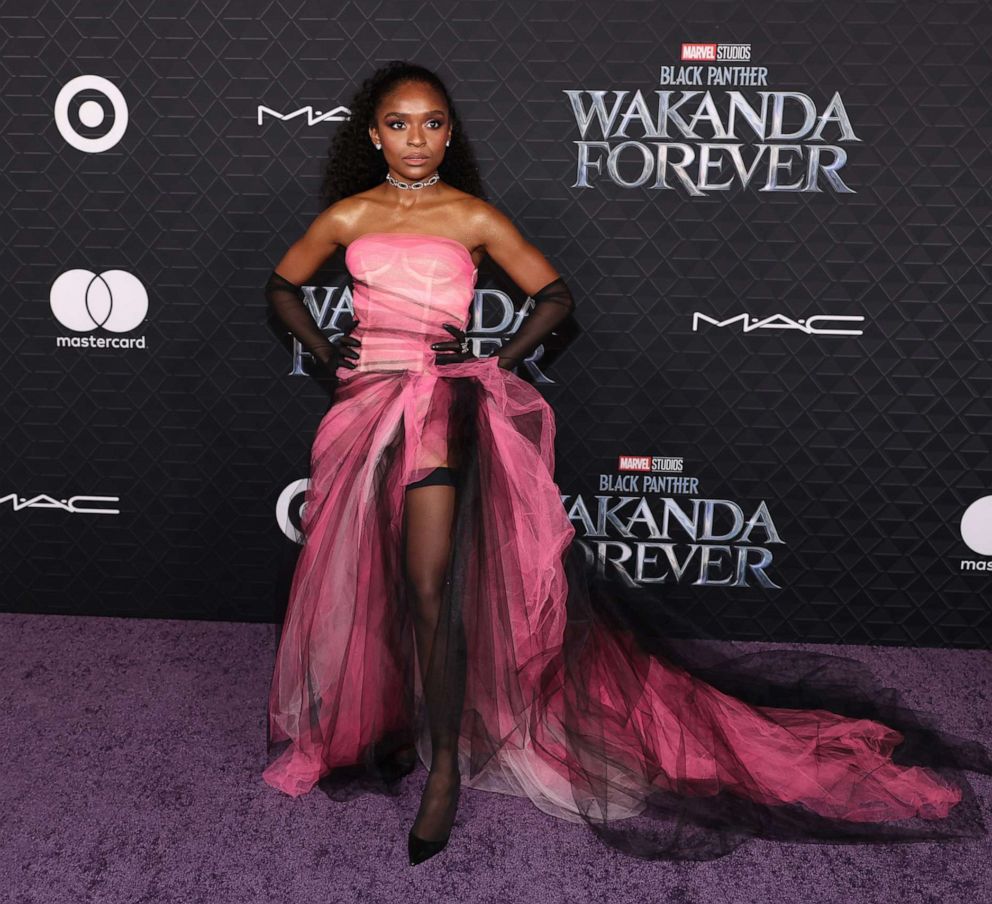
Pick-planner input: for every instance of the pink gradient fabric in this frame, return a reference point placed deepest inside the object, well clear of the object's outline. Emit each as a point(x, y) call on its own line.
point(562, 703)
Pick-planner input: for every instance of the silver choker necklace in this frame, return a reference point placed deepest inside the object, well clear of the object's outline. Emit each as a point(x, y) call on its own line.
point(423, 183)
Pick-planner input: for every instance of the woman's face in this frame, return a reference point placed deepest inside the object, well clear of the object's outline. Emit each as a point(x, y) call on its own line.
point(412, 123)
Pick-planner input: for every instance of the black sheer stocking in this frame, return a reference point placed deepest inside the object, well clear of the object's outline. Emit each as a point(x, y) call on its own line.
point(429, 516)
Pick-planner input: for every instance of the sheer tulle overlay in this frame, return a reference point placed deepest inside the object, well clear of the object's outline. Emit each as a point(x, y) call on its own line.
point(600, 703)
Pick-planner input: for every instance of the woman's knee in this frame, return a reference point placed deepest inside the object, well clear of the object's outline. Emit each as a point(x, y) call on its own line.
point(426, 589)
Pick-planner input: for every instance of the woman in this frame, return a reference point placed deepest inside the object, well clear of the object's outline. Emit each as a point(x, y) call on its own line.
point(440, 606)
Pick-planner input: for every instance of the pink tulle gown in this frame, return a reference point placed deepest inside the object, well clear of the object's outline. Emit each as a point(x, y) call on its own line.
point(554, 684)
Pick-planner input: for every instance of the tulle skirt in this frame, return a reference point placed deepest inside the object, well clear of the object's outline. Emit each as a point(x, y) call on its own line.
point(601, 703)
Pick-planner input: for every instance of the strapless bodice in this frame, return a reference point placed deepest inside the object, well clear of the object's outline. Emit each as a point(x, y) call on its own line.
point(405, 286)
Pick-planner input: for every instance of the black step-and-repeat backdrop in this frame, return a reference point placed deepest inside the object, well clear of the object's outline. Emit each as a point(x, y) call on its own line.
point(777, 402)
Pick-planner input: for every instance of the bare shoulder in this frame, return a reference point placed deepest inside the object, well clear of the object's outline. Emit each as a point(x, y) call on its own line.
point(340, 221)
point(469, 212)
point(494, 228)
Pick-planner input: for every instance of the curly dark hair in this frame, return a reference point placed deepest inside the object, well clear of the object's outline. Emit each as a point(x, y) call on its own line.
point(353, 163)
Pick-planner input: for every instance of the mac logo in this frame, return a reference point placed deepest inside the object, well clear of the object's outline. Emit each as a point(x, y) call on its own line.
point(816, 325)
point(338, 114)
point(77, 505)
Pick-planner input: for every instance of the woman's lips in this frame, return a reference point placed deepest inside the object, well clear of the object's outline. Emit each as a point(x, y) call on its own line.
point(415, 160)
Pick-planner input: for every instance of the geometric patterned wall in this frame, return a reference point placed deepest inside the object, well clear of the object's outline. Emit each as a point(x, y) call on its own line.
point(822, 359)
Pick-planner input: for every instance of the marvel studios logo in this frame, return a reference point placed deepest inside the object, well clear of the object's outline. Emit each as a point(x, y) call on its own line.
point(653, 463)
point(716, 53)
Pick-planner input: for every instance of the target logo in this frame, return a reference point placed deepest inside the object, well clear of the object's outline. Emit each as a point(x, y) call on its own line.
point(289, 509)
point(91, 114)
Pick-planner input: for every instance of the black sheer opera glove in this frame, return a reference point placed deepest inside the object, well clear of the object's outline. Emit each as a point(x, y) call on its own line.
point(455, 350)
point(286, 301)
point(552, 305)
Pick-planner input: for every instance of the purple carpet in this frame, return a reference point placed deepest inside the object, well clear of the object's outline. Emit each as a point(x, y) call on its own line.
point(134, 751)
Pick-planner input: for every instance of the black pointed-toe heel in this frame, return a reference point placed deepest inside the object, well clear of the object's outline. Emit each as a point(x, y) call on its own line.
point(420, 849)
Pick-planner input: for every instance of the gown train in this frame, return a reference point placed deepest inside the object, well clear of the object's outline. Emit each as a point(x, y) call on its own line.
point(600, 703)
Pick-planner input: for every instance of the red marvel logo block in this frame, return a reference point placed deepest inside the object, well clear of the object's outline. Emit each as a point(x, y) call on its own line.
point(699, 53)
point(634, 463)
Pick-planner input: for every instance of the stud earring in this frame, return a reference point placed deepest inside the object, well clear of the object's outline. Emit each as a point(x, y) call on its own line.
point(378, 146)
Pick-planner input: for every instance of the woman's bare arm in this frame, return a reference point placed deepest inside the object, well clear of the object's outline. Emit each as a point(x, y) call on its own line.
point(322, 238)
point(530, 270)
point(284, 294)
point(521, 260)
